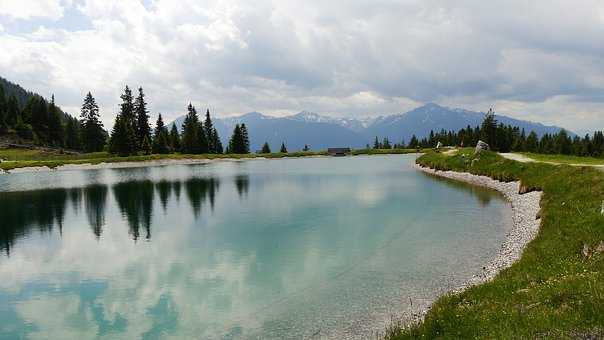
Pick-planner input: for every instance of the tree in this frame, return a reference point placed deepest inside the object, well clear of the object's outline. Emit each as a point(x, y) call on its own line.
point(376, 143)
point(306, 148)
point(146, 146)
point(92, 133)
point(55, 126)
point(563, 143)
point(142, 118)
point(216, 142)
point(489, 129)
point(283, 148)
point(175, 138)
point(161, 137)
point(386, 144)
point(265, 148)
point(211, 134)
point(72, 134)
point(413, 143)
point(13, 114)
point(245, 137)
point(3, 111)
point(237, 143)
point(532, 142)
point(190, 132)
point(123, 140)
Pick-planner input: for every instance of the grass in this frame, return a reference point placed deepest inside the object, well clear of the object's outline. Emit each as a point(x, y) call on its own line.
point(20, 157)
point(553, 291)
point(565, 159)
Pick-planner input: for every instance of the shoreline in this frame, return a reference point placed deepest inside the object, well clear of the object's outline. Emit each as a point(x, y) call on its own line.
point(525, 226)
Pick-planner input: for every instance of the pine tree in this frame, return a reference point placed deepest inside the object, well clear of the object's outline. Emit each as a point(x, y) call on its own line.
point(209, 131)
point(283, 148)
point(72, 134)
point(386, 144)
point(146, 147)
point(265, 148)
point(92, 133)
point(55, 126)
point(128, 118)
point(413, 143)
point(142, 118)
point(203, 139)
point(161, 138)
point(376, 143)
point(245, 138)
point(489, 129)
point(236, 143)
point(3, 111)
point(123, 137)
point(216, 142)
point(174, 138)
point(306, 148)
point(13, 114)
point(190, 132)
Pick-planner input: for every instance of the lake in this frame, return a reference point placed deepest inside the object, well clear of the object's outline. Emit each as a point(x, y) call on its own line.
point(256, 249)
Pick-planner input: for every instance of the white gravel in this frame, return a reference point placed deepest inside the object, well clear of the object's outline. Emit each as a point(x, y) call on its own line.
point(525, 220)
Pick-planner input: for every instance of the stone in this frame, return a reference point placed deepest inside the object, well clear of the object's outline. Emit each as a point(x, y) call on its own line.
point(586, 251)
point(480, 147)
point(600, 247)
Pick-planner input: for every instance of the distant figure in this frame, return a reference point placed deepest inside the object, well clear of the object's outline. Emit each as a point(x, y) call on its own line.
point(439, 145)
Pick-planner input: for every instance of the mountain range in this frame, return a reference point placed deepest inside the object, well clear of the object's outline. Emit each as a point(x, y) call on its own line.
point(320, 131)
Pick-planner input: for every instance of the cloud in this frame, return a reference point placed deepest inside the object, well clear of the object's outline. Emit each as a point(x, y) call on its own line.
point(19, 9)
point(344, 58)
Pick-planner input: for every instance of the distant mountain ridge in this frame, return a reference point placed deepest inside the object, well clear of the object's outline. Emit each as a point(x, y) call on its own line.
point(320, 131)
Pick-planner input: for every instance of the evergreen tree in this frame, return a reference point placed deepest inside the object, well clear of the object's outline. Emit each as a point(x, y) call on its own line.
point(190, 132)
point(142, 118)
point(216, 142)
point(55, 126)
point(245, 138)
point(306, 148)
point(203, 139)
point(3, 111)
point(72, 134)
point(386, 144)
point(283, 148)
point(532, 142)
point(376, 144)
point(265, 148)
point(413, 143)
point(489, 129)
point(146, 147)
point(128, 118)
point(175, 138)
point(123, 137)
point(13, 114)
point(237, 142)
point(92, 133)
point(161, 137)
point(211, 134)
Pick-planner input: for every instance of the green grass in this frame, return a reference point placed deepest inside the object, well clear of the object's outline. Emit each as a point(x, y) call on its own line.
point(564, 159)
point(552, 291)
point(21, 158)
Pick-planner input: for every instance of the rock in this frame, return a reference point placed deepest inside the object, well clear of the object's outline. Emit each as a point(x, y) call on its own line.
point(524, 189)
point(439, 145)
point(600, 247)
point(480, 147)
point(586, 251)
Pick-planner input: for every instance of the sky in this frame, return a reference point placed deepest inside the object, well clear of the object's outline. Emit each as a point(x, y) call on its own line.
point(540, 60)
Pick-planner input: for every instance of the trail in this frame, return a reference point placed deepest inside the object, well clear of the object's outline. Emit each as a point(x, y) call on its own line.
point(524, 159)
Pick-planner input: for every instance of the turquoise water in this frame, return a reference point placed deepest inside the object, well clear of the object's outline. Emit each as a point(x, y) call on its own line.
point(262, 249)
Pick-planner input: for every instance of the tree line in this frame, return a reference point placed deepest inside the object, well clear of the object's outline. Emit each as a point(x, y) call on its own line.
point(506, 138)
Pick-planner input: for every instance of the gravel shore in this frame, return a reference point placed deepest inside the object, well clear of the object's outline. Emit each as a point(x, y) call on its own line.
point(525, 220)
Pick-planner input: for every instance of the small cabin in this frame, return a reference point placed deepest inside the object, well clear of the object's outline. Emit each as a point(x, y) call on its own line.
point(338, 151)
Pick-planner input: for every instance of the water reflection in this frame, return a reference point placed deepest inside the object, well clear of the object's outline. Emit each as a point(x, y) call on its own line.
point(43, 210)
point(23, 211)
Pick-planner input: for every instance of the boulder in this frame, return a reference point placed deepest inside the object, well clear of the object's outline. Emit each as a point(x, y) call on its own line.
point(480, 147)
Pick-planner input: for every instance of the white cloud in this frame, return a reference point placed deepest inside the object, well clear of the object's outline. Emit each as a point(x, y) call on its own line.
point(27, 9)
point(345, 58)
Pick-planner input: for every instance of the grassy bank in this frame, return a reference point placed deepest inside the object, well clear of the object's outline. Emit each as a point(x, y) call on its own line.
point(564, 159)
point(553, 291)
point(20, 158)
